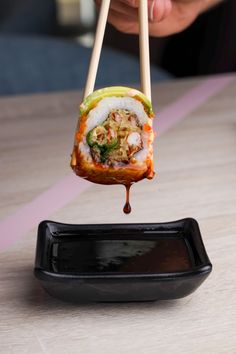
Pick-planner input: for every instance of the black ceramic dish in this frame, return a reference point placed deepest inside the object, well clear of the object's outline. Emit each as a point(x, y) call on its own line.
point(121, 262)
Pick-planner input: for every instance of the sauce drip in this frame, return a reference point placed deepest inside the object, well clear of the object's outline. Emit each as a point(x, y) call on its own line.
point(127, 207)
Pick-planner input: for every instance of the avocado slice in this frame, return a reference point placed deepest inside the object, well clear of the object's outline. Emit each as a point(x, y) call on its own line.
point(91, 100)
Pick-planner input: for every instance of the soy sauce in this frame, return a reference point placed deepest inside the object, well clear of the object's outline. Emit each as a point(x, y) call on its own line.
point(127, 207)
point(159, 255)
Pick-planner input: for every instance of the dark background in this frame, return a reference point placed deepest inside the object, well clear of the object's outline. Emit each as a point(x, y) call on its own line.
point(206, 47)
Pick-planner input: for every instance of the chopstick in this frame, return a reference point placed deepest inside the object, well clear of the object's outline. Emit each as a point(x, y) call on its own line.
point(144, 49)
point(94, 60)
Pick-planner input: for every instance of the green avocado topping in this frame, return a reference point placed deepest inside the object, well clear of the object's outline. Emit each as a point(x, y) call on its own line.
point(117, 91)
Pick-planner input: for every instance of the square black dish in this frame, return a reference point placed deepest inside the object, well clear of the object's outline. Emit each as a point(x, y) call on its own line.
point(121, 262)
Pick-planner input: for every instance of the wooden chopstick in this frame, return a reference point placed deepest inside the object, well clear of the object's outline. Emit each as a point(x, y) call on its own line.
point(94, 60)
point(144, 49)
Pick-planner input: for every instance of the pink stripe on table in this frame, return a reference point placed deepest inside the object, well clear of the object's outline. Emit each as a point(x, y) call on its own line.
point(179, 109)
point(27, 217)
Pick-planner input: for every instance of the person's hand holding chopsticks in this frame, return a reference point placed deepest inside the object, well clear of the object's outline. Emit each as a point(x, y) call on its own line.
point(166, 17)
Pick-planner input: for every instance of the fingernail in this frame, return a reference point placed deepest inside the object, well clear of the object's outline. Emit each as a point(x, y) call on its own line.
point(151, 11)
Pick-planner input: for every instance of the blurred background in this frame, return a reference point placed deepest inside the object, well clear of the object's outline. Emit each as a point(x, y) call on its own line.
point(45, 46)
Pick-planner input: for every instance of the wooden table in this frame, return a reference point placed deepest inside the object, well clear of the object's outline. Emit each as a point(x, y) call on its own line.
point(196, 163)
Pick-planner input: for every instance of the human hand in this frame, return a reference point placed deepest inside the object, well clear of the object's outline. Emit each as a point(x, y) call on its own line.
point(166, 17)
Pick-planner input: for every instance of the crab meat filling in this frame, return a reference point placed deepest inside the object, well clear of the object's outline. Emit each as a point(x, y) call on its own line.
point(117, 139)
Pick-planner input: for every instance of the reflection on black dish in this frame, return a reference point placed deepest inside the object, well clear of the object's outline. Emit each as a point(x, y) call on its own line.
point(162, 255)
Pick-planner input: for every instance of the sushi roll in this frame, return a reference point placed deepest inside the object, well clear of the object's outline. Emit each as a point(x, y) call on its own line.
point(114, 136)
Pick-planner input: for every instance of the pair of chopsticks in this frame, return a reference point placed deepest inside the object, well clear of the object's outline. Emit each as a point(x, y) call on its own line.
point(143, 48)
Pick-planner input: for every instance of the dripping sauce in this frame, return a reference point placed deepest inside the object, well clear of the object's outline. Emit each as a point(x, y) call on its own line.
point(127, 207)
